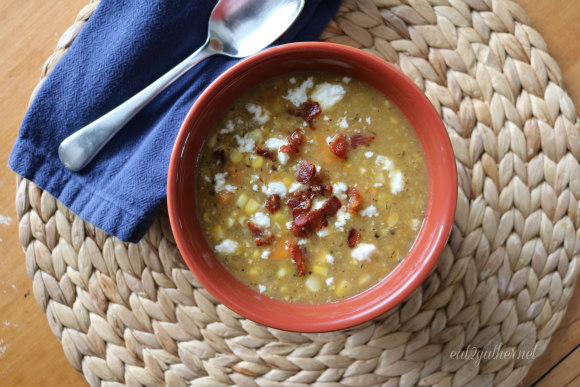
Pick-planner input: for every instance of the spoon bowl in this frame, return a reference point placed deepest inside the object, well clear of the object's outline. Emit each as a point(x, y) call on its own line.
point(236, 29)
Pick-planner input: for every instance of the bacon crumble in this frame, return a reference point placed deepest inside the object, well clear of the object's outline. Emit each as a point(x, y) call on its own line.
point(273, 203)
point(354, 199)
point(261, 237)
point(308, 112)
point(354, 237)
point(304, 171)
point(339, 146)
point(307, 222)
point(266, 153)
point(296, 137)
point(298, 257)
point(357, 140)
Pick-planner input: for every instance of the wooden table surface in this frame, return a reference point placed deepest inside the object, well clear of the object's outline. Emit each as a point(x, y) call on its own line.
point(30, 355)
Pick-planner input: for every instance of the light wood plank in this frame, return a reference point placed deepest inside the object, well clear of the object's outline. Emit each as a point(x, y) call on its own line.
point(564, 340)
point(567, 373)
point(30, 354)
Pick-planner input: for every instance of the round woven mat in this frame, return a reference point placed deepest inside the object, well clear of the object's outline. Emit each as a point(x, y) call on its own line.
point(133, 314)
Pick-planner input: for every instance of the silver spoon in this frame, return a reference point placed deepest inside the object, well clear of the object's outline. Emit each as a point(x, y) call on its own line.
point(236, 29)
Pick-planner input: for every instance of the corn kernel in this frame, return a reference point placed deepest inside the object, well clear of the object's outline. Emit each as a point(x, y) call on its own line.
point(236, 156)
point(287, 181)
point(313, 283)
point(363, 279)
point(342, 287)
point(256, 134)
point(254, 271)
point(256, 254)
point(279, 217)
point(320, 269)
point(252, 206)
point(218, 233)
point(212, 141)
point(320, 257)
point(242, 200)
point(257, 162)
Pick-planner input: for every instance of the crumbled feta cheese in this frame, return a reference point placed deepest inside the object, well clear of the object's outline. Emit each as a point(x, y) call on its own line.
point(368, 120)
point(329, 259)
point(341, 217)
point(364, 252)
point(265, 254)
point(283, 157)
point(346, 79)
point(292, 80)
point(369, 154)
point(255, 187)
point(229, 127)
point(298, 95)
point(261, 288)
point(377, 185)
point(329, 139)
point(396, 181)
point(227, 246)
point(327, 94)
point(318, 203)
point(326, 118)
point(339, 189)
point(363, 171)
point(296, 187)
point(322, 233)
point(206, 178)
point(261, 219)
point(220, 183)
point(275, 144)
point(275, 188)
point(370, 211)
point(302, 242)
point(246, 144)
point(329, 281)
point(259, 116)
point(289, 225)
point(342, 123)
point(384, 163)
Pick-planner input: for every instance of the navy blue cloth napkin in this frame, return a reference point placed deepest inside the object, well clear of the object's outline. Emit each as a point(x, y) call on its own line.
point(126, 45)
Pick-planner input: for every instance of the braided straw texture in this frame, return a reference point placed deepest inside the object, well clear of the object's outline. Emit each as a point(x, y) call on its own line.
point(133, 314)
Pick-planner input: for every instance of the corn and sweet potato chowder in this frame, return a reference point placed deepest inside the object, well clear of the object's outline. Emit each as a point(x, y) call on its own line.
point(312, 187)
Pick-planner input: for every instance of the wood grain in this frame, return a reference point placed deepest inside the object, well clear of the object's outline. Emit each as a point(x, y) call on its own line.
point(30, 355)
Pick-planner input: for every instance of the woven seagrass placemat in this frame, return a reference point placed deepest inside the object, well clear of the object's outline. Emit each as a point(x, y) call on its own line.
point(133, 314)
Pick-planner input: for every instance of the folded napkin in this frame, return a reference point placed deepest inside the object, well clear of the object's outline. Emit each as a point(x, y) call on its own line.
point(126, 45)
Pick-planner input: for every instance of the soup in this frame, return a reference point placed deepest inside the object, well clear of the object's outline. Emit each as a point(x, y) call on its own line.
point(311, 187)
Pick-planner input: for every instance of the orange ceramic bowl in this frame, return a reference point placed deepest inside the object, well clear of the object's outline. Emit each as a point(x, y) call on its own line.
point(181, 187)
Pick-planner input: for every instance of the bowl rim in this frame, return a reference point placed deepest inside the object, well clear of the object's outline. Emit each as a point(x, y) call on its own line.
point(360, 315)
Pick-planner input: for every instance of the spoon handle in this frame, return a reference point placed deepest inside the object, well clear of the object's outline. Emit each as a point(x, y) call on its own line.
point(77, 150)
